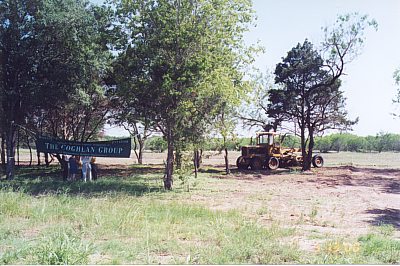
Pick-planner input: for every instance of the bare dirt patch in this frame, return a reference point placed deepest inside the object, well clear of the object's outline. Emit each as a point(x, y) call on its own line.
point(330, 203)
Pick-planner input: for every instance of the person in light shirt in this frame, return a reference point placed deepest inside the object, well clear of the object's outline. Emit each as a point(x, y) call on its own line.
point(86, 168)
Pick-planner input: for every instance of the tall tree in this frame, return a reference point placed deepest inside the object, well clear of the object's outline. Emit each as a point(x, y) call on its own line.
point(171, 47)
point(314, 109)
point(310, 96)
point(74, 34)
point(50, 54)
point(18, 38)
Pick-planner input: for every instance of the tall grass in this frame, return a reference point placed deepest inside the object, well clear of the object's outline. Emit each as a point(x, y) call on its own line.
point(65, 229)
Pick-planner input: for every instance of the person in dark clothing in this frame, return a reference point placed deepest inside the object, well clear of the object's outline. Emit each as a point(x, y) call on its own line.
point(94, 168)
point(65, 167)
point(73, 168)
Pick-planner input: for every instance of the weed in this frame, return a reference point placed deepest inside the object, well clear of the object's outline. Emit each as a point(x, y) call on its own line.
point(386, 230)
point(61, 248)
point(313, 213)
point(263, 210)
point(380, 248)
point(371, 248)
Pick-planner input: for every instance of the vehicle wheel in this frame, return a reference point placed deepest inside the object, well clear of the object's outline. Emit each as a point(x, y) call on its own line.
point(256, 164)
point(273, 163)
point(241, 163)
point(317, 161)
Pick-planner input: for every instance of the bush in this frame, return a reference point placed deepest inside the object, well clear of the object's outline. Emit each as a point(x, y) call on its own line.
point(156, 144)
point(62, 248)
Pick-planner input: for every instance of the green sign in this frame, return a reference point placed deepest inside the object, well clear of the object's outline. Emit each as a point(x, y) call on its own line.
point(120, 148)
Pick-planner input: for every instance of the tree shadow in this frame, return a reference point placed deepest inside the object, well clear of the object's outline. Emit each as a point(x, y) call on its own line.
point(118, 170)
point(246, 174)
point(42, 181)
point(385, 216)
point(386, 180)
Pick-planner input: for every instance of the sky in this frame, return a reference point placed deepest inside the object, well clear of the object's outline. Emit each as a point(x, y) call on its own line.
point(368, 84)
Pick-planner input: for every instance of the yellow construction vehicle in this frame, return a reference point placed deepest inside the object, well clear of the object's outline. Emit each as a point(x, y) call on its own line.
point(268, 153)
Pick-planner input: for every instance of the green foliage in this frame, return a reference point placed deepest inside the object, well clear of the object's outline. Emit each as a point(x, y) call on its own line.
point(80, 60)
point(180, 63)
point(349, 142)
point(310, 97)
point(60, 248)
point(157, 144)
point(290, 141)
point(184, 173)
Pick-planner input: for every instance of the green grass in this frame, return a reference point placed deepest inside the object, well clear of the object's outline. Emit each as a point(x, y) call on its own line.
point(60, 229)
point(374, 248)
point(128, 219)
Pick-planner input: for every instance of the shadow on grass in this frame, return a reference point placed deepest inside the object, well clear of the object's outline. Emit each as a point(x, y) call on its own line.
point(117, 170)
point(385, 216)
point(41, 181)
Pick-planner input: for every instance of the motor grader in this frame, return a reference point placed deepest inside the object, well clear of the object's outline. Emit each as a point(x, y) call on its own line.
point(268, 153)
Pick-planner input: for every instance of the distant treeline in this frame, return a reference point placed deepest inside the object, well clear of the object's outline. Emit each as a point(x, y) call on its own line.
point(349, 142)
point(335, 142)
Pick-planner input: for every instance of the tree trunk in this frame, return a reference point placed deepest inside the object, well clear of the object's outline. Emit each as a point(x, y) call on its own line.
point(141, 149)
point(199, 158)
point(227, 170)
point(306, 163)
point(195, 162)
point(3, 151)
point(308, 156)
point(38, 157)
point(169, 167)
point(135, 146)
point(30, 150)
point(46, 159)
point(64, 166)
point(310, 147)
point(10, 169)
point(18, 135)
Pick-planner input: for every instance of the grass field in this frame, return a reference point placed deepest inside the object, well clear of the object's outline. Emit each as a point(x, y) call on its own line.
point(127, 218)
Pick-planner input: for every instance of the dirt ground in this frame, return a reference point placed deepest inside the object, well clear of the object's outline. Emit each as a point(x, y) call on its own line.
point(331, 203)
point(328, 203)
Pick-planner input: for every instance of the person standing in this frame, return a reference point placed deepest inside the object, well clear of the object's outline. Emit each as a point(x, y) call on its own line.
point(86, 168)
point(65, 167)
point(73, 167)
point(94, 168)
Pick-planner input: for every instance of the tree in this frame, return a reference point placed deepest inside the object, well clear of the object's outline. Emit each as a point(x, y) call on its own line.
point(19, 63)
point(157, 144)
point(82, 59)
point(314, 108)
point(310, 96)
point(171, 48)
point(73, 31)
point(52, 58)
